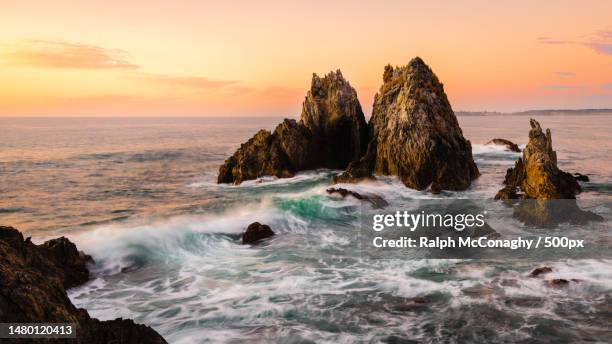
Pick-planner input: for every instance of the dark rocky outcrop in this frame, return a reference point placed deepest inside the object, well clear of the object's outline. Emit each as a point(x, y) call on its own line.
point(332, 113)
point(581, 177)
point(72, 263)
point(547, 194)
point(560, 282)
point(262, 155)
point(256, 232)
point(485, 231)
point(376, 200)
point(33, 279)
point(511, 146)
point(332, 132)
point(540, 271)
point(415, 134)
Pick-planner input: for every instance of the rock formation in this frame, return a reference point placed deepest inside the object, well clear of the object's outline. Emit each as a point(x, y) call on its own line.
point(581, 177)
point(376, 200)
point(415, 134)
point(511, 146)
point(71, 263)
point(255, 232)
point(262, 155)
point(33, 279)
point(332, 132)
point(536, 174)
point(538, 181)
point(540, 271)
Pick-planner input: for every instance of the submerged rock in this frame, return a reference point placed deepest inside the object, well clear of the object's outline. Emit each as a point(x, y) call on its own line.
point(33, 279)
point(255, 232)
point(511, 146)
point(547, 194)
point(376, 200)
point(415, 134)
point(485, 231)
point(332, 132)
point(558, 283)
point(412, 304)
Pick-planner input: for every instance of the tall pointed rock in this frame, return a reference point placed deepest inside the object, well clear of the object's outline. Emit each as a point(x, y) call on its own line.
point(415, 134)
point(332, 113)
point(332, 132)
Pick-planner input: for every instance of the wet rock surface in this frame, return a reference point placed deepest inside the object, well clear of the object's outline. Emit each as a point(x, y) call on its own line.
point(262, 155)
point(256, 232)
point(414, 134)
point(33, 279)
point(376, 200)
point(540, 271)
point(560, 282)
point(332, 132)
point(581, 177)
point(511, 146)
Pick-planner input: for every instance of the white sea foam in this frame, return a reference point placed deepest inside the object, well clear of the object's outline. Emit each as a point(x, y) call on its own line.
point(197, 279)
point(479, 149)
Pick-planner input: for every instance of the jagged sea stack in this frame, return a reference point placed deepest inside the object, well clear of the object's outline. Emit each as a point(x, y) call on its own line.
point(332, 132)
point(415, 134)
point(536, 174)
point(548, 193)
point(332, 113)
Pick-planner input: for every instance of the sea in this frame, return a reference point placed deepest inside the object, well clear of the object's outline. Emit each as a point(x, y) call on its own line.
point(140, 196)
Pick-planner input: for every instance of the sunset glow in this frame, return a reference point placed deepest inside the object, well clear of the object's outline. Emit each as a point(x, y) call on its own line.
point(139, 58)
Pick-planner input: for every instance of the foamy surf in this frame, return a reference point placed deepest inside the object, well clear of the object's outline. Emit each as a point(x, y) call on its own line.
point(188, 275)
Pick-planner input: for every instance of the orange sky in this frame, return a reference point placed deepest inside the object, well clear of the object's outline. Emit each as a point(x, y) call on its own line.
point(257, 57)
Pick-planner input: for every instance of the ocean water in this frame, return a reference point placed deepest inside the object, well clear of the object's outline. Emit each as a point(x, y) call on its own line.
point(140, 196)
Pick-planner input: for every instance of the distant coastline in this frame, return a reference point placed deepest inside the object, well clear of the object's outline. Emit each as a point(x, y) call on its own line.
point(535, 113)
point(532, 113)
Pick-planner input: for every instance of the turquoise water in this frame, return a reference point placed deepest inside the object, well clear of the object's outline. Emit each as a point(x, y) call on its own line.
point(140, 196)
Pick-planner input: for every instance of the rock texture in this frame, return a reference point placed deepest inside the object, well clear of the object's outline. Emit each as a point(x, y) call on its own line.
point(70, 262)
point(536, 174)
point(540, 271)
point(548, 193)
point(415, 134)
point(33, 279)
point(256, 232)
point(262, 155)
point(511, 146)
point(332, 132)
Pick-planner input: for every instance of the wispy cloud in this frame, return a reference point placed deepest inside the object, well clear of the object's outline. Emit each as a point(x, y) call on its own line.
point(194, 82)
point(561, 87)
point(565, 74)
point(606, 34)
point(602, 48)
point(60, 54)
point(550, 40)
point(600, 42)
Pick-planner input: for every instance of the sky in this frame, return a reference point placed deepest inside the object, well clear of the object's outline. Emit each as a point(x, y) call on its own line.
point(256, 58)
